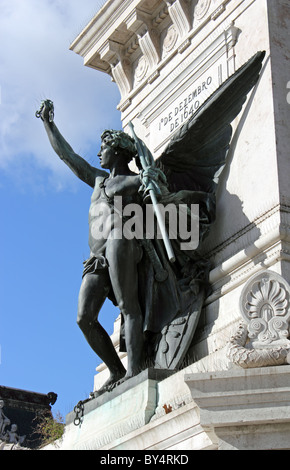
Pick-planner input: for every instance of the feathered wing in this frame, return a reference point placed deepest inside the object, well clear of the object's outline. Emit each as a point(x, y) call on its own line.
point(197, 152)
point(192, 163)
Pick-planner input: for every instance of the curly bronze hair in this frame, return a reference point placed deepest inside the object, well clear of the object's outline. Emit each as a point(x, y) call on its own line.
point(121, 142)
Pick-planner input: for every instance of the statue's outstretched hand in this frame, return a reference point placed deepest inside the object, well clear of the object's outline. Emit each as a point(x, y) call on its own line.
point(46, 111)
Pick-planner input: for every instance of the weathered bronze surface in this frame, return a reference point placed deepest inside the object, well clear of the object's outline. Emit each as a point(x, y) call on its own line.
point(160, 297)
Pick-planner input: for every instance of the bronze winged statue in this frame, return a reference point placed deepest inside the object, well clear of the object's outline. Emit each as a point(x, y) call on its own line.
point(160, 299)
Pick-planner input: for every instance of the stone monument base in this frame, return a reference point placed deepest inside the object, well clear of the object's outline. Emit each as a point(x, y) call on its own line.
point(244, 409)
point(226, 410)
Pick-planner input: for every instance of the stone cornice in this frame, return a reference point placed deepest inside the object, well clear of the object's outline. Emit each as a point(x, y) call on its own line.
point(138, 29)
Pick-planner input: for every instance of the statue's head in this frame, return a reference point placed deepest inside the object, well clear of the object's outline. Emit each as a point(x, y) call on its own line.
point(121, 142)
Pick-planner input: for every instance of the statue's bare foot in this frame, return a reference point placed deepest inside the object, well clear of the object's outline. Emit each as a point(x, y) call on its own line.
point(111, 383)
point(129, 375)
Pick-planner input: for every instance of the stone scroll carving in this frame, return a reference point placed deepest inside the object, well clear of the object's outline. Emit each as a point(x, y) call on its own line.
point(262, 337)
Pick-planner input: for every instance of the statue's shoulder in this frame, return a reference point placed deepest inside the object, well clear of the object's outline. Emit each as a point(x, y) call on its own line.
point(100, 176)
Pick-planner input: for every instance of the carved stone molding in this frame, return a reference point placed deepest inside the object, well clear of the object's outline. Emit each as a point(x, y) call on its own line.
point(120, 34)
point(179, 11)
point(232, 262)
point(262, 338)
point(113, 53)
point(218, 12)
point(148, 36)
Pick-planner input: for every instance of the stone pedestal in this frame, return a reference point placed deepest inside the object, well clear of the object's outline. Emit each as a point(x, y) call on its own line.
point(114, 414)
point(231, 410)
point(244, 410)
point(152, 411)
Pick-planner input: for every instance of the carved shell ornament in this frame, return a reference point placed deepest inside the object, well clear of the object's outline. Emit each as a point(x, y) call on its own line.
point(262, 338)
point(267, 298)
point(266, 308)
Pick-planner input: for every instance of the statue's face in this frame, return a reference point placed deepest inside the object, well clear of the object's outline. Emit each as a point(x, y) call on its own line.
point(107, 156)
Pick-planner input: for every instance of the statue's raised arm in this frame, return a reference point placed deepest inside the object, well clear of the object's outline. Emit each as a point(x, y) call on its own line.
point(77, 164)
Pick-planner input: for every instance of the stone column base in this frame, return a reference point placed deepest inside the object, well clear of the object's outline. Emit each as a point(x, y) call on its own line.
point(244, 409)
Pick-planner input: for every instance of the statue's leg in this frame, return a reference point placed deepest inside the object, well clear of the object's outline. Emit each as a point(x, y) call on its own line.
point(93, 292)
point(123, 257)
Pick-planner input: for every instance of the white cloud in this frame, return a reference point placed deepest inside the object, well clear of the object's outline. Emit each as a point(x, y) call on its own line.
point(36, 63)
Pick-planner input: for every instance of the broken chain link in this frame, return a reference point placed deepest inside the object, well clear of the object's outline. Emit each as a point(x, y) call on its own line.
point(49, 104)
point(79, 411)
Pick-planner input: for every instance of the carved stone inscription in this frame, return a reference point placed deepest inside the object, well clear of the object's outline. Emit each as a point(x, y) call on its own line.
point(183, 107)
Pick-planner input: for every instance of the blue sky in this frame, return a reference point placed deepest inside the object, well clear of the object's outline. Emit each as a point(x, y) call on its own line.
point(44, 207)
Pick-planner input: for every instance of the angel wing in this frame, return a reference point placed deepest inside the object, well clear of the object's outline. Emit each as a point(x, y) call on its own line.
point(196, 154)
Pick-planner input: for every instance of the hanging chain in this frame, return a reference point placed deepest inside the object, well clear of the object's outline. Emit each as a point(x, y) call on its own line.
point(79, 411)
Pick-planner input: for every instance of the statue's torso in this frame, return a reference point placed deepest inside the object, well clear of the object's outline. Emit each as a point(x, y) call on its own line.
point(105, 214)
